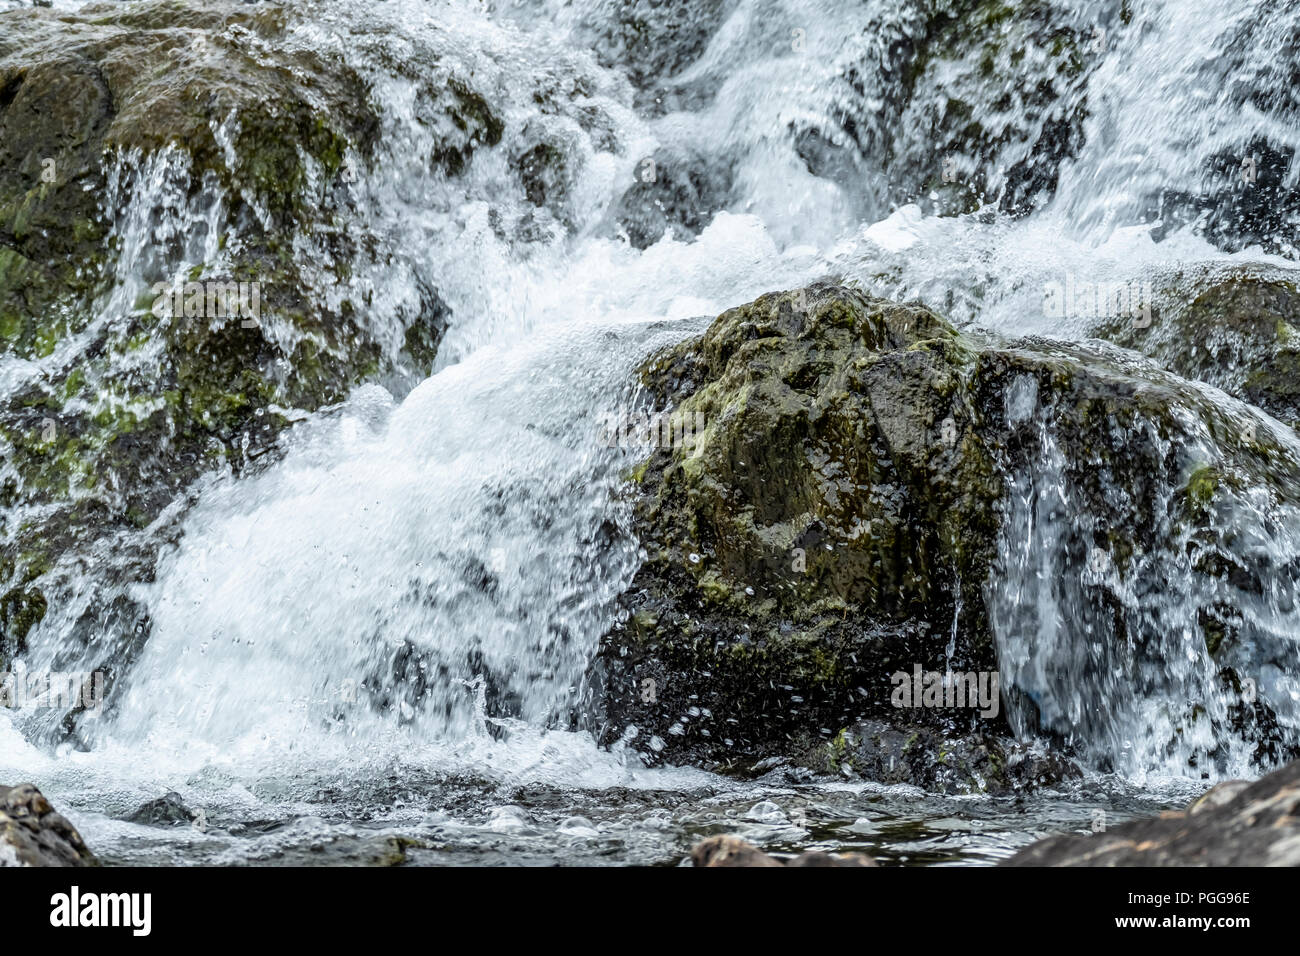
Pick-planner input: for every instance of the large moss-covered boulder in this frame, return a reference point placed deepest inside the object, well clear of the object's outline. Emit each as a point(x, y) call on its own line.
point(812, 537)
point(182, 270)
point(872, 493)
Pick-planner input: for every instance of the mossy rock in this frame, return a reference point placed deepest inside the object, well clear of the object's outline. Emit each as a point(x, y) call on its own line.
point(996, 97)
point(840, 518)
point(957, 105)
point(217, 120)
point(1236, 328)
point(811, 539)
point(20, 610)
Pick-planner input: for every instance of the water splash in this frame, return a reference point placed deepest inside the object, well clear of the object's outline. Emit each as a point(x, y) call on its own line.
point(417, 539)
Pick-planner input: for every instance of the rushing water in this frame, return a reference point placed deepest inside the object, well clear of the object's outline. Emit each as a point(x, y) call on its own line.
point(313, 679)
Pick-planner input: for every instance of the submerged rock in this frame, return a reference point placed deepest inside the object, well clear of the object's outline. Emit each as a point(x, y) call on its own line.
point(1234, 824)
point(167, 810)
point(728, 851)
point(871, 494)
point(33, 834)
point(654, 40)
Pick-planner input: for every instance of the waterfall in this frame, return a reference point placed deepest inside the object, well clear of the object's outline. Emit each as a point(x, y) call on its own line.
point(418, 573)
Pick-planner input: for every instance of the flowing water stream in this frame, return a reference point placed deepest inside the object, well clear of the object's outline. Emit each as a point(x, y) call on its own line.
point(382, 635)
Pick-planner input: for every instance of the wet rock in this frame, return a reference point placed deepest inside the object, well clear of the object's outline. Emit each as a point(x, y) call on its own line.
point(1218, 795)
point(1248, 194)
point(676, 191)
point(253, 152)
point(723, 851)
point(821, 858)
point(1234, 824)
point(806, 544)
point(1236, 328)
point(1244, 193)
point(939, 762)
point(20, 609)
point(208, 150)
point(655, 39)
point(727, 851)
point(32, 833)
point(849, 509)
point(995, 103)
point(543, 173)
point(1245, 199)
point(167, 810)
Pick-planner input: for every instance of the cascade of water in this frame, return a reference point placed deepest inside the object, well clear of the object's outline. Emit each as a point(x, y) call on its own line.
point(418, 538)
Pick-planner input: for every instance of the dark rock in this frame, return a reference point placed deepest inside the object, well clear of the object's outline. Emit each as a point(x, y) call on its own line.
point(839, 517)
point(655, 39)
point(939, 762)
point(1234, 824)
point(33, 834)
point(821, 486)
point(677, 191)
point(995, 103)
point(167, 810)
point(1236, 328)
point(821, 858)
point(723, 851)
point(1247, 192)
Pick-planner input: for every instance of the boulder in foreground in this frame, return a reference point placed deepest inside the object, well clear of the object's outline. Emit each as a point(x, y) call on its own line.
point(1233, 824)
point(32, 833)
point(729, 851)
point(863, 493)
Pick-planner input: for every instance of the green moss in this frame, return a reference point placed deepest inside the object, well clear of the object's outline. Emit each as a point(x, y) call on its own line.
point(76, 379)
point(21, 609)
point(131, 430)
point(1201, 486)
point(839, 751)
point(1242, 326)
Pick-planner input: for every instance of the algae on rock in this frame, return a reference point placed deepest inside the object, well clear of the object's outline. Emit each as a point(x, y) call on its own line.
point(858, 505)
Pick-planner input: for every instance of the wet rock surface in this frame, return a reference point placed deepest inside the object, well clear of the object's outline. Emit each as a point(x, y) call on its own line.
point(32, 833)
point(843, 507)
point(1231, 327)
point(260, 142)
point(167, 810)
point(729, 851)
point(1234, 824)
point(821, 485)
point(989, 145)
point(939, 761)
